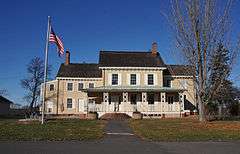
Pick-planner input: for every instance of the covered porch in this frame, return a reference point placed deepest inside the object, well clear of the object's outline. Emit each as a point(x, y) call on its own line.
point(147, 100)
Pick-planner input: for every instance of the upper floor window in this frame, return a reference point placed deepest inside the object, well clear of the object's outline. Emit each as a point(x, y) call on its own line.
point(168, 83)
point(91, 85)
point(69, 103)
point(80, 86)
point(69, 86)
point(51, 87)
point(114, 79)
point(150, 79)
point(133, 79)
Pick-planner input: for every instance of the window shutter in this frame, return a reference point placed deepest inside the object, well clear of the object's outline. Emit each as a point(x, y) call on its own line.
point(155, 80)
point(109, 79)
point(128, 79)
point(138, 79)
point(73, 103)
point(119, 79)
point(146, 79)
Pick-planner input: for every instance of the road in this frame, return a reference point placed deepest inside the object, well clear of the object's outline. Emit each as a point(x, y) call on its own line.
point(119, 139)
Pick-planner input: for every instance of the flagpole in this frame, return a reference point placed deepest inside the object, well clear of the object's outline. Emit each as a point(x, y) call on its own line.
point(45, 70)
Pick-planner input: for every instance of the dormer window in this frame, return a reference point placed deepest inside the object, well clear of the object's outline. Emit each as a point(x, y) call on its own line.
point(114, 79)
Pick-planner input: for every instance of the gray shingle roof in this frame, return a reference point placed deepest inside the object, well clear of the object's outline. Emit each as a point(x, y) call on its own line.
point(129, 59)
point(5, 100)
point(84, 70)
point(179, 70)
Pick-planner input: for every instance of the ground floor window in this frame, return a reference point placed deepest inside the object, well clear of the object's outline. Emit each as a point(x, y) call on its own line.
point(69, 103)
point(150, 98)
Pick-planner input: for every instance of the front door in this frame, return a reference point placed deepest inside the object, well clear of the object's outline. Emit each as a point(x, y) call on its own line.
point(170, 103)
point(115, 103)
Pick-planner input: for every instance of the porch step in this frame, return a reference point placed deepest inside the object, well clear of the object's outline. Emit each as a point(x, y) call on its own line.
point(115, 116)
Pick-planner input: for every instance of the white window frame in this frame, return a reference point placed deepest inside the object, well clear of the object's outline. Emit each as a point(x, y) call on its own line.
point(72, 103)
point(82, 86)
point(153, 79)
point(130, 79)
point(110, 79)
point(50, 87)
point(72, 86)
point(91, 83)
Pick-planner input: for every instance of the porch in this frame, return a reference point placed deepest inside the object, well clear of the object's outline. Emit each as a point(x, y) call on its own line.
point(147, 100)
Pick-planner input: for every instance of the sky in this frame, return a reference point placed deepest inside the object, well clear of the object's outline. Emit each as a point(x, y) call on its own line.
point(86, 27)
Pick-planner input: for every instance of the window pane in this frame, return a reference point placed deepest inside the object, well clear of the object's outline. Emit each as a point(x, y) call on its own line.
point(150, 79)
point(80, 86)
point(70, 86)
point(114, 79)
point(91, 85)
point(133, 79)
point(51, 87)
point(69, 103)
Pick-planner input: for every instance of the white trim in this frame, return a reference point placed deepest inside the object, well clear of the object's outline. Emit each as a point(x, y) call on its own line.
point(176, 76)
point(140, 68)
point(155, 79)
point(79, 79)
point(138, 78)
point(119, 79)
point(129, 79)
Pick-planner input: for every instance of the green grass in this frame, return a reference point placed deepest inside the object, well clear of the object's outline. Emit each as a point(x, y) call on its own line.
point(57, 130)
point(186, 130)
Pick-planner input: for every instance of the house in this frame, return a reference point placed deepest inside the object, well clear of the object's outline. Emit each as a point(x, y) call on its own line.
point(122, 82)
point(4, 105)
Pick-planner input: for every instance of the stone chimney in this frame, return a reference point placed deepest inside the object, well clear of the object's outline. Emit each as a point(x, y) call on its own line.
point(154, 49)
point(67, 60)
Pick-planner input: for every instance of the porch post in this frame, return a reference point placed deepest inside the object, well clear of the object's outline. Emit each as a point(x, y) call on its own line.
point(144, 97)
point(181, 102)
point(125, 97)
point(163, 101)
point(105, 100)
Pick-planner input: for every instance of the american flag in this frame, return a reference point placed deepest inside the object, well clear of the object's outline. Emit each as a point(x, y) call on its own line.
point(55, 39)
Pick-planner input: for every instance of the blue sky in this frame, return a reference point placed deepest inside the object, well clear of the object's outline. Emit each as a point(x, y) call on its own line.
point(86, 27)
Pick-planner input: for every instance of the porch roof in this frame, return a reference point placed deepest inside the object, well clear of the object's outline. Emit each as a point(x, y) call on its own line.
point(134, 89)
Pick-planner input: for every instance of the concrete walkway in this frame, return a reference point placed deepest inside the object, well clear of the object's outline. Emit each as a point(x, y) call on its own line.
point(119, 139)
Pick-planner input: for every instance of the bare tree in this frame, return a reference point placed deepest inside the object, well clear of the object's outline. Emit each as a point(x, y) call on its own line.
point(32, 83)
point(199, 26)
point(3, 92)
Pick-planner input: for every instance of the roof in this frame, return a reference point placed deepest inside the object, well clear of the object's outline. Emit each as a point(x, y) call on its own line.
point(5, 100)
point(180, 70)
point(81, 70)
point(129, 59)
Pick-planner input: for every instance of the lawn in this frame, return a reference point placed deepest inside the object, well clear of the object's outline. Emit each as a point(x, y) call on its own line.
point(57, 130)
point(186, 130)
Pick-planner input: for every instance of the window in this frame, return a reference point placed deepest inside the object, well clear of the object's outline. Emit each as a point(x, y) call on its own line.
point(170, 99)
point(168, 83)
point(133, 98)
point(150, 79)
point(133, 78)
point(70, 86)
point(80, 86)
point(150, 98)
point(51, 87)
point(69, 103)
point(114, 79)
point(91, 85)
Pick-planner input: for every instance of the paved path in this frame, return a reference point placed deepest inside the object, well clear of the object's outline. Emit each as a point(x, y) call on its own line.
point(120, 140)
